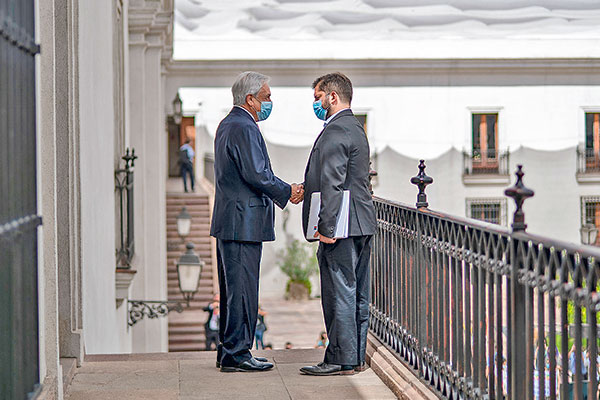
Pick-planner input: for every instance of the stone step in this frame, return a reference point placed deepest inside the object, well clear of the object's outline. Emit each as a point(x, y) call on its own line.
point(194, 212)
point(205, 283)
point(186, 330)
point(186, 199)
point(205, 278)
point(187, 324)
point(185, 347)
point(196, 329)
point(187, 338)
point(188, 203)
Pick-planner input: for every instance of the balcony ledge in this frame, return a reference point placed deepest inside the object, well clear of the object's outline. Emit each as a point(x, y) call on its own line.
point(123, 279)
point(588, 177)
point(486, 179)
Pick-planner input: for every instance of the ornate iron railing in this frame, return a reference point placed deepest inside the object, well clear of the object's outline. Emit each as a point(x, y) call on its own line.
point(483, 312)
point(124, 187)
point(588, 160)
point(490, 162)
point(19, 337)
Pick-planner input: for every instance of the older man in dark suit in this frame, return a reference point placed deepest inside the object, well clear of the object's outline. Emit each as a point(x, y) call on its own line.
point(339, 161)
point(243, 218)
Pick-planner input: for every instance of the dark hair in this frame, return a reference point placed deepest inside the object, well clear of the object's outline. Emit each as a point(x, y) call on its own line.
point(335, 82)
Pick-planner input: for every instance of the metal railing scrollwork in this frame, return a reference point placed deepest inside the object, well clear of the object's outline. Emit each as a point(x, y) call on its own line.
point(124, 188)
point(483, 312)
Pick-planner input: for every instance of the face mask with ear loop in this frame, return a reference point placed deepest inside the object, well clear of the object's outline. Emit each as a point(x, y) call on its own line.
point(320, 112)
point(265, 110)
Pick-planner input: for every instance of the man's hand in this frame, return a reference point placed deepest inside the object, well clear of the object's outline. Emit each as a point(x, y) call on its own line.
point(325, 239)
point(297, 193)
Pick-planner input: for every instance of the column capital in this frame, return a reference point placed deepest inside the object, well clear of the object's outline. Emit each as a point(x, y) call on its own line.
point(151, 24)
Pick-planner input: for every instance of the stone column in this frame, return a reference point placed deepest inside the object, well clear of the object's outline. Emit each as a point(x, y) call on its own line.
point(48, 34)
point(148, 27)
point(68, 183)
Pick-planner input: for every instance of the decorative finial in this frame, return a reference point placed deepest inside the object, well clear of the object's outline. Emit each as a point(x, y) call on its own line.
point(421, 180)
point(129, 158)
point(519, 194)
point(372, 173)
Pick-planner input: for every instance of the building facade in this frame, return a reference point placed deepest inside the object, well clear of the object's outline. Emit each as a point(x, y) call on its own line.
point(472, 120)
point(100, 144)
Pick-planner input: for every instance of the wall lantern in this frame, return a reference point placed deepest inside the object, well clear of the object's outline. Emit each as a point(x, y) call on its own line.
point(177, 109)
point(184, 223)
point(189, 269)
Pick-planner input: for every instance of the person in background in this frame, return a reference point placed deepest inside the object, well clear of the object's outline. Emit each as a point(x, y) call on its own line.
point(211, 327)
point(186, 163)
point(323, 341)
point(288, 345)
point(261, 327)
point(268, 346)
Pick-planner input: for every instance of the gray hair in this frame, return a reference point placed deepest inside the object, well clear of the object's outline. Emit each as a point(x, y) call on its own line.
point(248, 82)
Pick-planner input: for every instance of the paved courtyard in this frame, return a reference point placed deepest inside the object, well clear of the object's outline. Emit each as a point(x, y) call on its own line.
point(298, 322)
point(187, 376)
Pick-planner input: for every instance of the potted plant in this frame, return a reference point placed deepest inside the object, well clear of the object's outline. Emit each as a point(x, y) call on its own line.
point(299, 263)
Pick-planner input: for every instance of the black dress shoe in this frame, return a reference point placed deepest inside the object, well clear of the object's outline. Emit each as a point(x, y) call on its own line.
point(261, 359)
point(323, 369)
point(361, 367)
point(251, 365)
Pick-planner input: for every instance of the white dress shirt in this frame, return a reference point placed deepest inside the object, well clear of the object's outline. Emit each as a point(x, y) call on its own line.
point(331, 117)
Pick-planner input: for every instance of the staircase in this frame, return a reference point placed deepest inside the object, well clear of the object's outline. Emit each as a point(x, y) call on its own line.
point(186, 329)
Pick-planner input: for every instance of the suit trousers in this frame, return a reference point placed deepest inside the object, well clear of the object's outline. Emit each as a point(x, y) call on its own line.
point(238, 269)
point(344, 267)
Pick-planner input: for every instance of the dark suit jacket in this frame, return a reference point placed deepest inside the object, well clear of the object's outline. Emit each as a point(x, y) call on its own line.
point(245, 186)
point(339, 161)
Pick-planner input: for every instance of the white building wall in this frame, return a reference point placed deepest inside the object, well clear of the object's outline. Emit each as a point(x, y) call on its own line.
point(540, 125)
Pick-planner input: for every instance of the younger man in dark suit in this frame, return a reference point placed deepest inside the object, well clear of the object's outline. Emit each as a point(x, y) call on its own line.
point(339, 161)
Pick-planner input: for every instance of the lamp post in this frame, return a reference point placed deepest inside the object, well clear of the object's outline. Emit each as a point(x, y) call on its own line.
point(184, 223)
point(177, 109)
point(588, 233)
point(189, 269)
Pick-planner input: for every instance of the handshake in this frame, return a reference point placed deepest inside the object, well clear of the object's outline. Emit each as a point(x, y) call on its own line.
point(297, 193)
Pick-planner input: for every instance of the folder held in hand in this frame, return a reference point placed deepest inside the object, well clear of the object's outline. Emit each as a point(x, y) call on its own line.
point(343, 220)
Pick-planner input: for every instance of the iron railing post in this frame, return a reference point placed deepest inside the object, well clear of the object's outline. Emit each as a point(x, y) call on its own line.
point(519, 330)
point(421, 181)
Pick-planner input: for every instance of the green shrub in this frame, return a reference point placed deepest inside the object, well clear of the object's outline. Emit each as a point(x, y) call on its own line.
point(299, 262)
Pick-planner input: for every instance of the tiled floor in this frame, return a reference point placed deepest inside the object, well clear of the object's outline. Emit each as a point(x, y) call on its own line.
point(188, 376)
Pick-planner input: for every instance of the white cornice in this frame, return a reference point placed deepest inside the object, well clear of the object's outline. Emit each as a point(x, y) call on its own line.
point(405, 72)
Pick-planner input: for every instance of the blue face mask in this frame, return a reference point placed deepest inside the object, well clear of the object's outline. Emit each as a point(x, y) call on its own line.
point(320, 112)
point(265, 110)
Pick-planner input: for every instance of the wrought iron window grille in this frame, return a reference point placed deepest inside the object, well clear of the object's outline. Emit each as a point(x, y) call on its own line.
point(490, 162)
point(588, 160)
point(492, 210)
point(124, 188)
